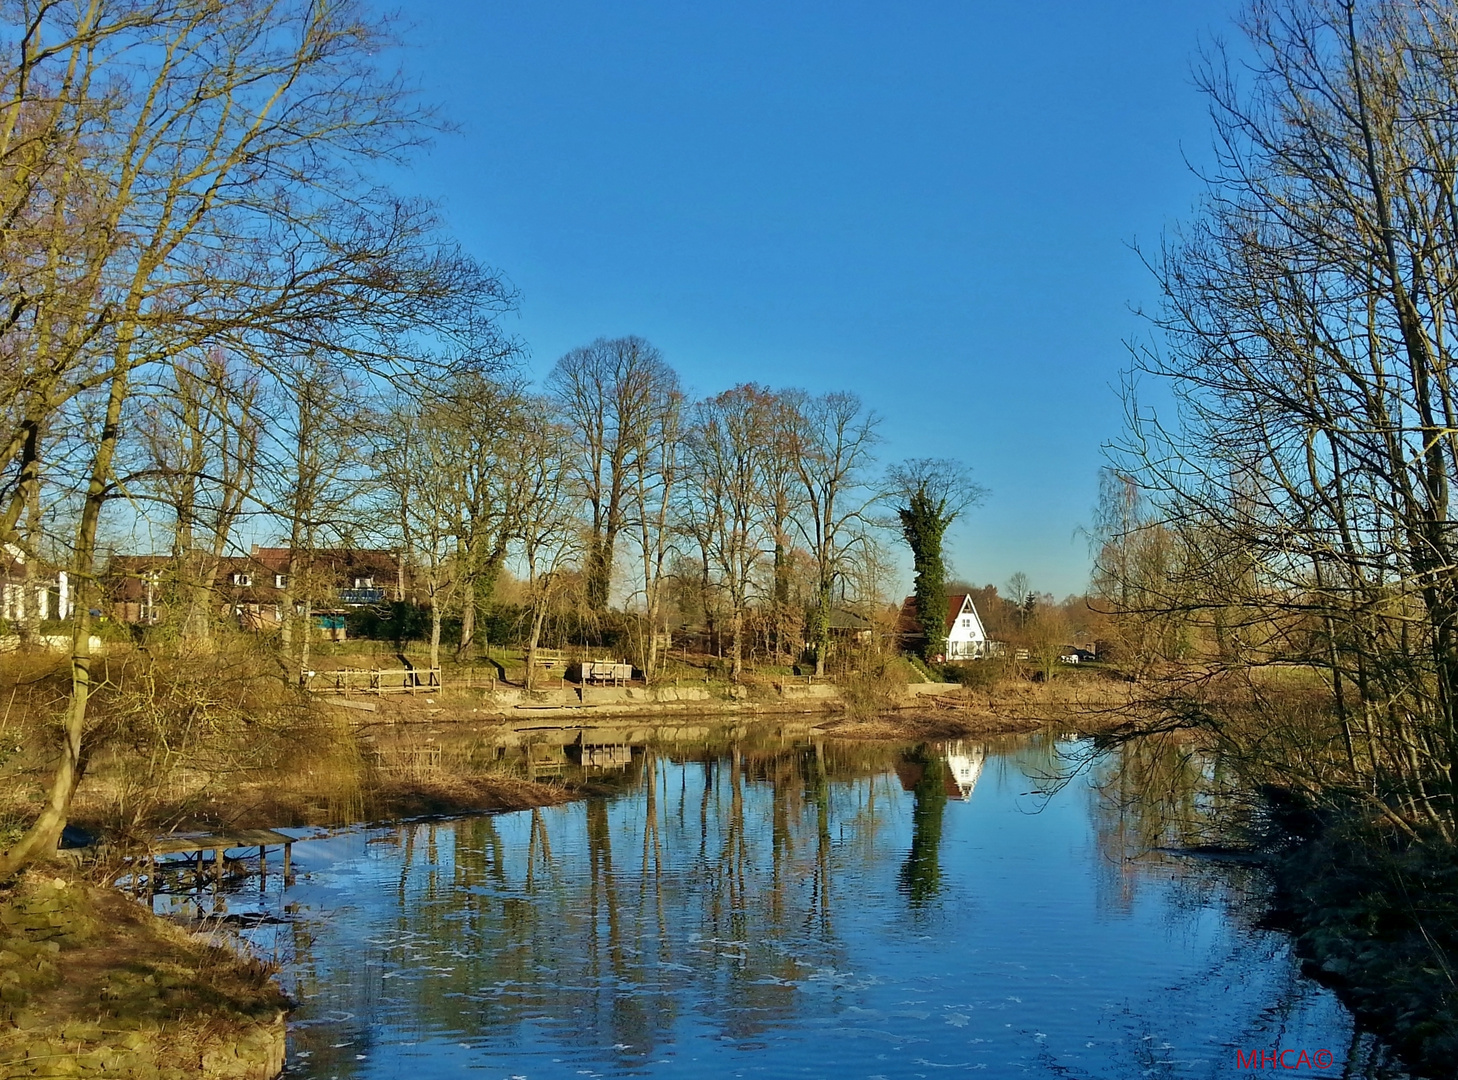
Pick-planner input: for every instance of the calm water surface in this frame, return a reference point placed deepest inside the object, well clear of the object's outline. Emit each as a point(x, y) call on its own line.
point(791, 909)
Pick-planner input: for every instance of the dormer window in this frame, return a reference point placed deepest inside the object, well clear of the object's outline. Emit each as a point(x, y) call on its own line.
point(242, 579)
point(280, 581)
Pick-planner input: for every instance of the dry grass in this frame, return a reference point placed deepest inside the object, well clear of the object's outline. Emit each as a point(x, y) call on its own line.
point(93, 977)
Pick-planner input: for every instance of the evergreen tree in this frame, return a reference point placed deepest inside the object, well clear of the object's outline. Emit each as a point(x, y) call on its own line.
point(932, 493)
point(924, 521)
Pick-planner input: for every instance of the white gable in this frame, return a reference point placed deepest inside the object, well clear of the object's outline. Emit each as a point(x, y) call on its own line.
point(966, 624)
point(966, 638)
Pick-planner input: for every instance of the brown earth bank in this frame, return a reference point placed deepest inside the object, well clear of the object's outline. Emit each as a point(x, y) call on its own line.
point(1376, 918)
point(91, 984)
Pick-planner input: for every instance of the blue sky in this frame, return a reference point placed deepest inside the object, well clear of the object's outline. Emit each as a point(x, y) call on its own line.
point(930, 204)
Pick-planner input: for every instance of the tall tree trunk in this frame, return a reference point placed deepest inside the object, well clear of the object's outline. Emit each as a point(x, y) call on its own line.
point(42, 838)
point(781, 599)
point(539, 616)
point(737, 648)
point(435, 618)
point(468, 622)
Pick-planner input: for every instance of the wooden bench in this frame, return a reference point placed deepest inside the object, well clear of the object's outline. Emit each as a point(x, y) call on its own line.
point(607, 673)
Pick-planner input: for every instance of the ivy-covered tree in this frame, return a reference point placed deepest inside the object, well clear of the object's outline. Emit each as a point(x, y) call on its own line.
point(930, 494)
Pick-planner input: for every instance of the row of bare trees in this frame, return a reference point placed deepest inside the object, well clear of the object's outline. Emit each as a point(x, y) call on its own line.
point(219, 327)
point(195, 253)
point(614, 475)
point(1297, 513)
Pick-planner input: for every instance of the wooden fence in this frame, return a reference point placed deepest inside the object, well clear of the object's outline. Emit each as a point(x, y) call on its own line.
point(377, 681)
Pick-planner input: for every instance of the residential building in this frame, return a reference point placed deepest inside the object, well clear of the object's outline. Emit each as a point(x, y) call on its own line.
point(256, 587)
point(40, 594)
point(966, 636)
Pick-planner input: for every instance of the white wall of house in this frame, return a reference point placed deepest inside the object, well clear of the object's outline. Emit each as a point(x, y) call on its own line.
point(966, 638)
point(20, 600)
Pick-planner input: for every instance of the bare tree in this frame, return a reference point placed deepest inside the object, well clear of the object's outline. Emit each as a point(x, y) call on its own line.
point(1308, 482)
point(610, 394)
point(200, 444)
point(654, 474)
point(550, 532)
point(216, 193)
point(831, 439)
point(729, 445)
point(484, 426)
point(312, 452)
point(784, 499)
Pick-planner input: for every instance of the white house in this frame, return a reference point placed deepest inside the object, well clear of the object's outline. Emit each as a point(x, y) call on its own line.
point(966, 637)
point(21, 599)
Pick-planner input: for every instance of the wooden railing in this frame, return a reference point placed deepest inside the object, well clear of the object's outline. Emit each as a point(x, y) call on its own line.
point(376, 681)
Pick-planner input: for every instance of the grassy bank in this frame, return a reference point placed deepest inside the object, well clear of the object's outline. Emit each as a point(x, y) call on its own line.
point(92, 984)
point(217, 739)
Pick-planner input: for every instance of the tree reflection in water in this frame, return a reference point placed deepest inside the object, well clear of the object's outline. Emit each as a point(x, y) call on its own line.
point(724, 898)
point(718, 891)
point(926, 774)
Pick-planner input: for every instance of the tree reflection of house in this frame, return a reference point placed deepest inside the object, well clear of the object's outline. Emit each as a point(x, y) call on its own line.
point(962, 765)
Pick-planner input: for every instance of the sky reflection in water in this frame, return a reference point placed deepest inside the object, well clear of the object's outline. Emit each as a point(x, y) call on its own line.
point(847, 910)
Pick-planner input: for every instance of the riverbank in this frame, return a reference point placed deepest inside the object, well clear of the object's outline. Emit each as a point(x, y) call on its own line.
point(1375, 917)
point(183, 1007)
point(93, 984)
point(460, 752)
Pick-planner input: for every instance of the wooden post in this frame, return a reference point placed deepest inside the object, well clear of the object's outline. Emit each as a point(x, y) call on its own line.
point(262, 868)
point(151, 877)
point(288, 856)
point(217, 870)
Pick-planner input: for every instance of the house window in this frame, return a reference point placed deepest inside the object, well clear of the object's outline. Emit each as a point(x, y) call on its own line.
point(364, 583)
point(242, 579)
point(966, 624)
point(280, 581)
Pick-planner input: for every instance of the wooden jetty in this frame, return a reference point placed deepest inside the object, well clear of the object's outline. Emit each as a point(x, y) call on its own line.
point(198, 845)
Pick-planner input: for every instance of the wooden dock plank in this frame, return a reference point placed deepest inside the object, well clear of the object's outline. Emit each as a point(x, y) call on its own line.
point(237, 838)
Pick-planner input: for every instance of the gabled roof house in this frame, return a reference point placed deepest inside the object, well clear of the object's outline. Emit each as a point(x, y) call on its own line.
point(966, 636)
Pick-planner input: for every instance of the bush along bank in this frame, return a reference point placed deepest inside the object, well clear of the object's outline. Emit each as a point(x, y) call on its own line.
point(1375, 916)
point(92, 984)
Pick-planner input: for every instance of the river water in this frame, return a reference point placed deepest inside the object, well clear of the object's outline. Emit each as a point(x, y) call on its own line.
point(792, 908)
